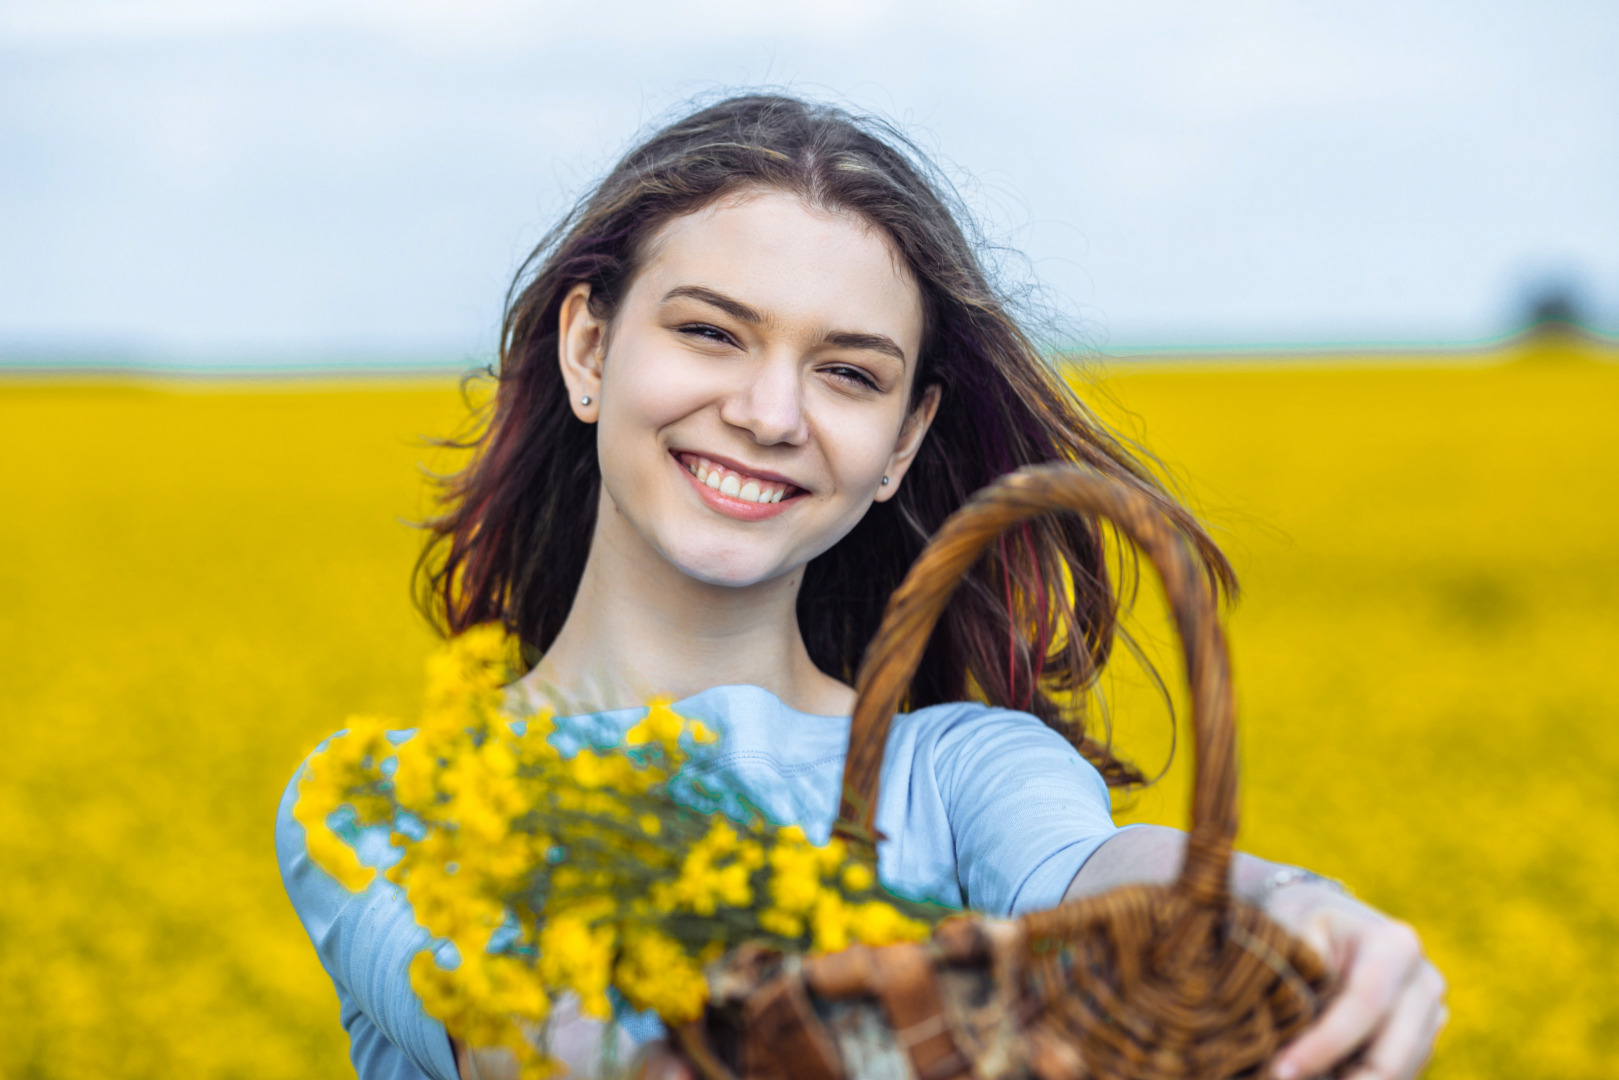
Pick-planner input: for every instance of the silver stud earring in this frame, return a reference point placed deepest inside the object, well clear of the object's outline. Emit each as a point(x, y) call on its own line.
point(585, 400)
point(885, 481)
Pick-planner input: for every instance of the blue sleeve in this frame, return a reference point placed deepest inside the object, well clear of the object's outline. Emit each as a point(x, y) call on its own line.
point(366, 942)
point(1025, 809)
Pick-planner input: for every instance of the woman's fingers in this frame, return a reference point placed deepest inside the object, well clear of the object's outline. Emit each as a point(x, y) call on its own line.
point(1382, 958)
point(1405, 1042)
point(495, 1064)
point(662, 1063)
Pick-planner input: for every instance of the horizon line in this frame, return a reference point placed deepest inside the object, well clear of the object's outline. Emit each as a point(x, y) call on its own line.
point(381, 363)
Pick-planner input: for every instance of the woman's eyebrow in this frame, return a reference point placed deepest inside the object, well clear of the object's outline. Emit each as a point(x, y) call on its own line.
point(848, 339)
point(734, 308)
point(838, 339)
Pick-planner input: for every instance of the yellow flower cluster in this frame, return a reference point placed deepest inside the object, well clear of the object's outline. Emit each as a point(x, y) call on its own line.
point(717, 870)
point(654, 971)
point(341, 775)
point(814, 885)
point(579, 874)
point(579, 956)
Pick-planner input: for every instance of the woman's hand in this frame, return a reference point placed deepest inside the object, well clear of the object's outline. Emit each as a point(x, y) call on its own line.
point(658, 1061)
point(497, 1064)
point(1392, 1000)
point(579, 1043)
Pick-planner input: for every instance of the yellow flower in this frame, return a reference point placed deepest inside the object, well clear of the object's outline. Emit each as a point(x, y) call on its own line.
point(654, 972)
point(345, 773)
point(877, 923)
point(832, 856)
point(464, 679)
point(781, 923)
point(437, 987)
point(661, 724)
point(795, 872)
point(416, 780)
point(593, 770)
point(331, 854)
point(830, 922)
point(857, 877)
point(717, 870)
point(577, 957)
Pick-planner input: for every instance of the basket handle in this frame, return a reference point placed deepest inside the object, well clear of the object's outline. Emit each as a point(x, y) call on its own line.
point(896, 650)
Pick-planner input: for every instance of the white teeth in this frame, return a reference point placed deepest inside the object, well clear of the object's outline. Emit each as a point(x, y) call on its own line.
point(733, 484)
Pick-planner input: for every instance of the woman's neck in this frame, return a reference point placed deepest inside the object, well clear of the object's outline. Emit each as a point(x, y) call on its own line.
point(640, 628)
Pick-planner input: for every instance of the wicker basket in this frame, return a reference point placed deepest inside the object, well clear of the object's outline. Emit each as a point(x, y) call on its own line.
point(1146, 981)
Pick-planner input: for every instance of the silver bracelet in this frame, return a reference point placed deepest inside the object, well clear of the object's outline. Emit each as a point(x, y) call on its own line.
point(1295, 875)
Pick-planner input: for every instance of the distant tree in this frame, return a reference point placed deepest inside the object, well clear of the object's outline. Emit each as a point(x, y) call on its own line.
point(1556, 328)
point(1554, 307)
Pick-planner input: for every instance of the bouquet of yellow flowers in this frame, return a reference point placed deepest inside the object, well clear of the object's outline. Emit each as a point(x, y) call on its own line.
point(579, 874)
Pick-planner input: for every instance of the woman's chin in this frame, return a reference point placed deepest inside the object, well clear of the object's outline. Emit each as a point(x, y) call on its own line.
point(729, 575)
point(727, 567)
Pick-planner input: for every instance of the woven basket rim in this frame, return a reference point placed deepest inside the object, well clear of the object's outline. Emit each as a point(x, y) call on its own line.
point(908, 621)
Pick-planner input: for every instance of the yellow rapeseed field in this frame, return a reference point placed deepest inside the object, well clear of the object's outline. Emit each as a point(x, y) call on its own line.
point(200, 580)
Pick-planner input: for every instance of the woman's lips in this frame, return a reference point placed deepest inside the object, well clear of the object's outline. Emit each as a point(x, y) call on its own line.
point(733, 493)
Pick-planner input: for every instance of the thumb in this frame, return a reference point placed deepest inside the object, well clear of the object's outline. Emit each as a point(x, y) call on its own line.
point(1331, 936)
point(662, 1063)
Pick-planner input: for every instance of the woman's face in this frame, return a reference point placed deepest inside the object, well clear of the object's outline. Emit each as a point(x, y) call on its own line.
point(752, 392)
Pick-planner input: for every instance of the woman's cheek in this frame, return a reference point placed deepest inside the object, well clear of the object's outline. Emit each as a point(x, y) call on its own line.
point(626, 434)
point(640, 398)
point(857, 445)
point(663, 386)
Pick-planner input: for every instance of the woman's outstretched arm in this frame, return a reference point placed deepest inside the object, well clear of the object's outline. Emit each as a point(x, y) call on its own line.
point(1393, 1000)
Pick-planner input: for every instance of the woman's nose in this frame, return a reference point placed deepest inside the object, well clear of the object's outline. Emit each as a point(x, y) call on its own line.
point(770, 404)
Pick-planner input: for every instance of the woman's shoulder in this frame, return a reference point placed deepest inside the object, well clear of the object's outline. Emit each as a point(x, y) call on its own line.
point(974, 721)
point(970, 743)
point(744, 715)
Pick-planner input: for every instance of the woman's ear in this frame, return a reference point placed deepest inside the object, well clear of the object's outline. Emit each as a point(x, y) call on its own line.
point(909, 442)
point(581, 343)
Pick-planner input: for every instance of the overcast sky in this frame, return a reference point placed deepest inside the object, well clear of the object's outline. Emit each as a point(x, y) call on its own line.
point(311, 179)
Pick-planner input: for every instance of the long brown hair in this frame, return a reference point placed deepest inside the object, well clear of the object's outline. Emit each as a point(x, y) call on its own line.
point(1029, 629)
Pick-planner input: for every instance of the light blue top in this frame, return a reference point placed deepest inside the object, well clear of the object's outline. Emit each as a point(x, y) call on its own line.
point(982, 808)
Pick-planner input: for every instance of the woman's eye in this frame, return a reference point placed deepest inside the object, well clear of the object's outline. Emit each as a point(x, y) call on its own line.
point(705, 332)
point(852, 375)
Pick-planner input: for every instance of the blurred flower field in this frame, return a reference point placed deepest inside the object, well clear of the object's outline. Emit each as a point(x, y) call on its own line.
point(200, 580)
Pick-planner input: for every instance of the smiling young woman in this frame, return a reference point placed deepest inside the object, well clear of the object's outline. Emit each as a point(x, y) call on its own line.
point(740, 386)
point(765, 351)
